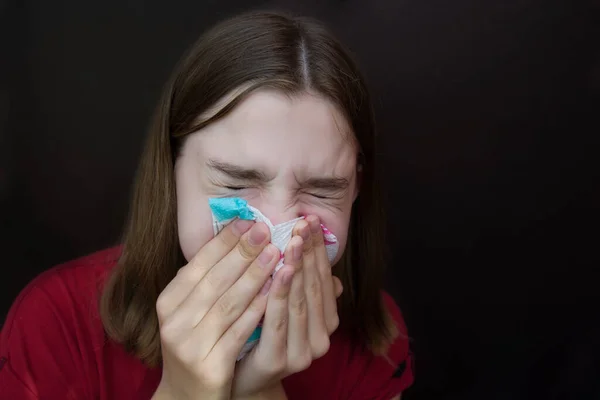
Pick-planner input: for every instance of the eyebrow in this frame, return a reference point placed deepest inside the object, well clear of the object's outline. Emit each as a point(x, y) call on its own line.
point(236, 172)
point(249, 174)
point(329, 184)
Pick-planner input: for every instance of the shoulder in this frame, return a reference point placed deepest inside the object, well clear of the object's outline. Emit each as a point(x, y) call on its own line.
point(63, 285)
point(74, 284)
point(52, 321)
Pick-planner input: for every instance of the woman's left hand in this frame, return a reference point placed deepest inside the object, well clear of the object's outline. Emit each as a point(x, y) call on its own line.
point(301, 314)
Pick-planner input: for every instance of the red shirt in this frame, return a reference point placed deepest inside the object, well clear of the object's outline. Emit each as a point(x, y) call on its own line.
point(53, 346)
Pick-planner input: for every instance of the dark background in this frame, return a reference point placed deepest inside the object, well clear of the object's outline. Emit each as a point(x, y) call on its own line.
point(488, 112)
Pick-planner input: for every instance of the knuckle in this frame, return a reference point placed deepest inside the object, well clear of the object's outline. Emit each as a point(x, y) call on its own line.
point(227, 238)
point(193, 270)
point(271, 367)
point(165, 332)
point(183, 354)
point(162, 307)
point(225, 306)
point(307, 246)
point(177, 348)
point(317, 240)
point(314, 288)
point(300, 363)
point(298, 307)
point(277, 366)
point(247, 252)
point(282, 293)
point(333, 323)
point(211, 283)
point(172, 337)
point(321, 347)
point(280, 325)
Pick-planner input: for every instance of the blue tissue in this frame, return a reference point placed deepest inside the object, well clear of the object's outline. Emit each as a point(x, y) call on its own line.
point(230, 207)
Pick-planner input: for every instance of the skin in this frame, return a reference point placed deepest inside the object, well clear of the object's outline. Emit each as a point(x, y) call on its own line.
point(288, 157)
point(288, 140)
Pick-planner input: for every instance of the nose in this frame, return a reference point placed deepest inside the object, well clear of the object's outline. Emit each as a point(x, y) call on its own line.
point(279, 211)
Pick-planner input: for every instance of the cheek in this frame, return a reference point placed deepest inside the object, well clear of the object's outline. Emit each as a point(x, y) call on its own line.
point(192, 237)
point(194, 221)
point(340, 230)
point(194, 228)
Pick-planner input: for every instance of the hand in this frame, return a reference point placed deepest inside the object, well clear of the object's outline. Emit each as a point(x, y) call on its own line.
point(301, 314)
point(209, 310)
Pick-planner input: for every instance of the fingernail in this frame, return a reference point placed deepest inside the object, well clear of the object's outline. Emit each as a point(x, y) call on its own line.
point(297, 253)
point(257, 236)
point(266, 256)
point(305, 233)
point(241, 226)
point(315, 226)
point(265, 289)
point(287, 277)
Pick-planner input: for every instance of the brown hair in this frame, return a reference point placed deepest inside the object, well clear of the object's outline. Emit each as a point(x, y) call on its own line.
point(250, 51)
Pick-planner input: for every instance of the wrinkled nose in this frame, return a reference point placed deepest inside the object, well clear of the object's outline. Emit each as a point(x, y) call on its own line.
point(279, 211)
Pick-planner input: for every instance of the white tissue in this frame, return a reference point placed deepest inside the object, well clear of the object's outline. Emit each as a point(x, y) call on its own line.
point(281, 234)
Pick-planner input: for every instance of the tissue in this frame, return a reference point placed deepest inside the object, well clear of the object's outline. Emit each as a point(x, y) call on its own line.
point(225, 210)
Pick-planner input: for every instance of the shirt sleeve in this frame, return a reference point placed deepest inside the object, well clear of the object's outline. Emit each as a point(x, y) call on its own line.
point(383, 378)
point(39, 358)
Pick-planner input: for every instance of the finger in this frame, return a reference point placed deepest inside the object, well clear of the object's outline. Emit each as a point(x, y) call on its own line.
point(293, 253)
point(324, 269)
point(302, 229)
point(220, 278)
point(236, 299)
point(317, 329)
point(222, 244)
point(297, 339)
point(232, 341)
point(298, 344)
point(273, 341)
point(338, 288)
point(188, 276)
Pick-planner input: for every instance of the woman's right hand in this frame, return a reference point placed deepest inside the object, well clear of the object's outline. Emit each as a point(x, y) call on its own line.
point(209, 310)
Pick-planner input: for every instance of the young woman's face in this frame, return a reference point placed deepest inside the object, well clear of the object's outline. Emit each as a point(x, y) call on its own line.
point(286, 156)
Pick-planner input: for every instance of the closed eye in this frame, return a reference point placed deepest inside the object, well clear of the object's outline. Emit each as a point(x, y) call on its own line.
point(236, 187)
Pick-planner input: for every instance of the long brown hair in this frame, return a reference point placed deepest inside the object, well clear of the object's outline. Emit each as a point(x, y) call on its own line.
point(250, 51)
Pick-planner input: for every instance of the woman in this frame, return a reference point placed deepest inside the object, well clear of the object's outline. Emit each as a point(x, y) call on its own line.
point(270, 109)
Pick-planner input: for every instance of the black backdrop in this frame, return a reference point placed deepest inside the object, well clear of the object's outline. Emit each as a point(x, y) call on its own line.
point(489, 119)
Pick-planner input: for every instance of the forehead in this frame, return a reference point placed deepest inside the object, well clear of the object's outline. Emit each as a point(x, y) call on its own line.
point(272, 131)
